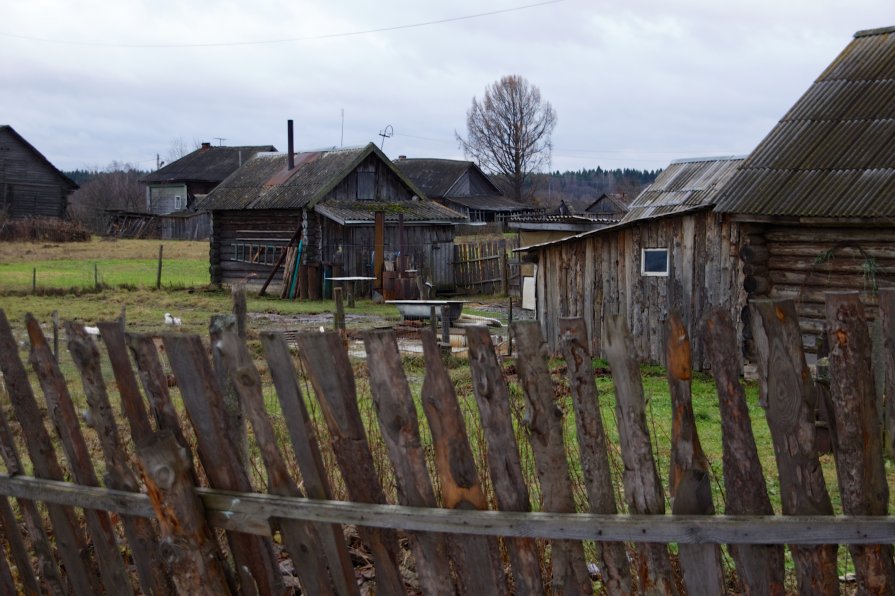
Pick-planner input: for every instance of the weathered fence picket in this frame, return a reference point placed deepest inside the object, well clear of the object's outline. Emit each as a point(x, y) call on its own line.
point(151, 525)
point(759, 567)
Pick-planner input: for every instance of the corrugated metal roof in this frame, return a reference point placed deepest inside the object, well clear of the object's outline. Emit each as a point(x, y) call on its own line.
point(833, 153)
point(686, 184)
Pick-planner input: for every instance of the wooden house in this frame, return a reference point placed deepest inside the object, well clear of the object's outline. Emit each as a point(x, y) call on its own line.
point(329, 200)
point(810, 210)
point(462, 186)
point(30, 186)
point(668, 252)
point(816, 198)
point(608, 206)
point(177, 185)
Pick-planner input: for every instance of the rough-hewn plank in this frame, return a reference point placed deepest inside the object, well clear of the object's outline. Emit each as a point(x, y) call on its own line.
point(592, 448)
point(333, 380)
point(300, 538)
point(543, 420)
point(307, 453)
point(138, 531)
point(510, 490)
point(476, 559)
point(857, 443)
point(643, 489)
point(233, 411)
point(65, 420)
point(256, 564)
point(9, 528)
point(69, 537)
point(789, 393)
point(400, 432)
point(690, 482)
point(759, 568)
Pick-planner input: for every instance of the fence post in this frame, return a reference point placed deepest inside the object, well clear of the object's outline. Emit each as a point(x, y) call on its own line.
point(857, 438)
point(790, 400)
point(887, 322)
point(502, 265)
point(446, 325)
point(689, 482)
point(55, 317)
point(238, 295)
point(158, 275)
point(340, 309)
point(34, 280)
point(546, 438)
point(759, 567)
point(643, 489)
point(592, 447)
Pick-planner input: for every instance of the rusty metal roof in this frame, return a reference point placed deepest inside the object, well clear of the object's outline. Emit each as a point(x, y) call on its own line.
point(685, 185)
point(833, 153)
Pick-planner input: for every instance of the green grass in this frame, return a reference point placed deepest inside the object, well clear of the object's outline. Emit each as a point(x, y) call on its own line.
point(70, 273)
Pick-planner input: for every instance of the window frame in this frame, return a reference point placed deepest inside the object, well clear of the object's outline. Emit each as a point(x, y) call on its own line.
point(369, 184)
point(656, 249)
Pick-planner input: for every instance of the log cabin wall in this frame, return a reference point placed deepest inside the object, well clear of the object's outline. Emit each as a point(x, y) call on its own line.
point(245, 244)
point(600, 275)
point(804, 262)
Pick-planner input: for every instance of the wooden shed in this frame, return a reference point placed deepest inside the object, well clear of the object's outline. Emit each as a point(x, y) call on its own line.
point(817, 196)
point(328, 199)
point(669, 252)
point(30, 186)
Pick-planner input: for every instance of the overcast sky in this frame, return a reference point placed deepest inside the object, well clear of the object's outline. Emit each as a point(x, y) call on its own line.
point(635, 83)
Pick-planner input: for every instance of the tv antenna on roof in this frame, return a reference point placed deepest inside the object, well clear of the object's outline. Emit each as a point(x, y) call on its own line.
point(388, 132)
point(220, 140)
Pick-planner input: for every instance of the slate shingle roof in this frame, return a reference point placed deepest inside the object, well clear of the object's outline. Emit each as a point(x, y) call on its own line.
point(833, 153)
point(436, 177)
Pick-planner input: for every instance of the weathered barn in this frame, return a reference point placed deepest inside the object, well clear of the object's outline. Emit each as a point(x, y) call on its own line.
point(462, 186)
point(177, 185)
point(670, 252)
point(811, 209)
point(30, 186)
point(329, 200)
point(817, 196)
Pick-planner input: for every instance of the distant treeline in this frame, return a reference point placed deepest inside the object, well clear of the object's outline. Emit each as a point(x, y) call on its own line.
point(83, 176)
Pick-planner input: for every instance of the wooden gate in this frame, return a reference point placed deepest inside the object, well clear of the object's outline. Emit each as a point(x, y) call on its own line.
point(169, 480)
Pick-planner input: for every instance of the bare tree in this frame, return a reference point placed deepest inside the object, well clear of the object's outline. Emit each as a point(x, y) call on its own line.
point(115, 187)
point(508, 132)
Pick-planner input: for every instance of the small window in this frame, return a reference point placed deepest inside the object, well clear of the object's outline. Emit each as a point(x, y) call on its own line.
point(177, 203)
point(366, 187)
point(654, 261)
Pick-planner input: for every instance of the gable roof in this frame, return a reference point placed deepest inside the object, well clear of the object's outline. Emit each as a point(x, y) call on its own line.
point(70, 184)
point(437, 177)
point(206, 164)
point(608, 203)
point(265, 183)
point(685, 185)
point(833, 153)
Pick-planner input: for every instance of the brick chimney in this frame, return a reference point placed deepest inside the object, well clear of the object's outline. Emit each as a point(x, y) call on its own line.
point(291, 149)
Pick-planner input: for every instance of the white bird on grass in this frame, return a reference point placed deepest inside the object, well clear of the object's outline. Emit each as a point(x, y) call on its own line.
point(172, 320)
point(91, 330)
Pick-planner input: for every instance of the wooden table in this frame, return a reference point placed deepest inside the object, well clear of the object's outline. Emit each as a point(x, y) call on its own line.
point(350, 280)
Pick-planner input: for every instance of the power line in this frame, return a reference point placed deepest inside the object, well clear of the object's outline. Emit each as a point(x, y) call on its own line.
point(285, 39)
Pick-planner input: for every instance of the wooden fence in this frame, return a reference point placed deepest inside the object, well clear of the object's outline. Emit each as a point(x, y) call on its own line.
point(150, 524)
point(487, 267)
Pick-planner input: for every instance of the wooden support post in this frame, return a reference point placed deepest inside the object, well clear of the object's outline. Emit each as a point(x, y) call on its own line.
point(378, 250)
point(789, 396)
point(433, 321)
point(502, 265)
point(446, 325)
point(233, 411)
point(238, 294)
point(55, 317)
point(759, 567)
point(158, 275)
point(858, 437)
point(34, 280)
point(340, 310)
